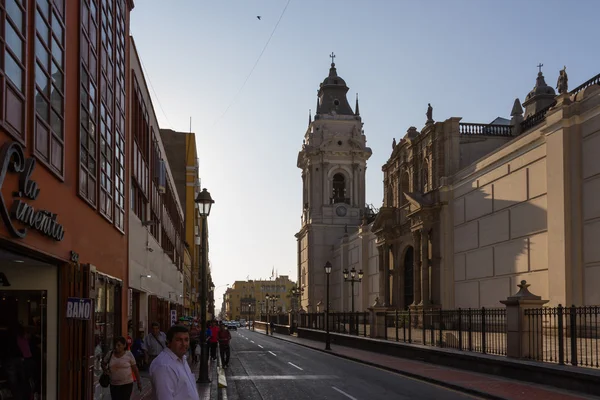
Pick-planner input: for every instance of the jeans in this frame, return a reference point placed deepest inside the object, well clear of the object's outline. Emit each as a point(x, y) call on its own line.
point(225, 354)
point(213, 350)
point(121, 392)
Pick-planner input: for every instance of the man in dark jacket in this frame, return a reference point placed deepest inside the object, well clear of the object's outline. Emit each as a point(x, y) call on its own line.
point(224, 338)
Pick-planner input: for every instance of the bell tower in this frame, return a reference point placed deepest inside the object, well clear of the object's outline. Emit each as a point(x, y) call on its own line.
point(333, 161)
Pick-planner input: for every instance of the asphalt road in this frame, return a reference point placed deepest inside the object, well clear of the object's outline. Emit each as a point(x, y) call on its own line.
point(265, 368)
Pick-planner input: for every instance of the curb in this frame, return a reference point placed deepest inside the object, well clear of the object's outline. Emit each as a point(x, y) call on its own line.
point(438, 382)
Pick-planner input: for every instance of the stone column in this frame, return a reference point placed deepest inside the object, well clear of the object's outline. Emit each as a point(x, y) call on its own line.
point(424, 267)
point(417, 267)
point(524, 335)
point(381, 274)
point(377, 323)
point(386, 275)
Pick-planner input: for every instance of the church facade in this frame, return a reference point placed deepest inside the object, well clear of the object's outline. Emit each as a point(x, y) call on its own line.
point(470, 210)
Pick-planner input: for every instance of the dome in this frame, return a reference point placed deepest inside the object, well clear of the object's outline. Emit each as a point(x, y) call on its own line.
point(333, 78)
point(540, 88)
point(332, 95)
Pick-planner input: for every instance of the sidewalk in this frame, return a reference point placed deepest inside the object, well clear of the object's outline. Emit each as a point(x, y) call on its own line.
point(483, 385)
point(206, 391)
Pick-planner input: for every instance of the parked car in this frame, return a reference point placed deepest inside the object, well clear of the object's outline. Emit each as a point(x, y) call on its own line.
point(230, 325)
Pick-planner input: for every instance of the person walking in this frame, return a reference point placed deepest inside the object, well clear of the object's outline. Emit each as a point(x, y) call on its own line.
point(170, 373)
point(214, 340)
point(154, 343)
point(224, 339)
point(120, 365)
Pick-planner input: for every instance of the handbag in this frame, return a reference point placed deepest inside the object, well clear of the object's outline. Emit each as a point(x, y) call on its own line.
point(105, 378)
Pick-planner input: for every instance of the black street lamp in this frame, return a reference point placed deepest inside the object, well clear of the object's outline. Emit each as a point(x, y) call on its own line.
point(272, 299)
point(352, 279)
point(205, 203)
point(327, 339)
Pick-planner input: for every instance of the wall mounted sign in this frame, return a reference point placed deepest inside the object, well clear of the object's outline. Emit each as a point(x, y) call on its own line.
point(12, 159)
point(173, 317)
point(4, 280)
point(79, 308)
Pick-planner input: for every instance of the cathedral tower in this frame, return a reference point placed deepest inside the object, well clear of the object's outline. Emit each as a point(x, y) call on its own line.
point(333, 161)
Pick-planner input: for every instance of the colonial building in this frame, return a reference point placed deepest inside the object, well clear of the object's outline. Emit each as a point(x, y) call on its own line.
point(333, 163)
point(187, 181)
point(248, 299)
point(466, 208)
point(63, 176)
point(156, 244)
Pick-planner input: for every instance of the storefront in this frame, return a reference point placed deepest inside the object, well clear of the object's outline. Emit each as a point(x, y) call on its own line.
point(28, 326)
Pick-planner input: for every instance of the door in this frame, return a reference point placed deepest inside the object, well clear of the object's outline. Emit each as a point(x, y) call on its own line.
point(77, 355)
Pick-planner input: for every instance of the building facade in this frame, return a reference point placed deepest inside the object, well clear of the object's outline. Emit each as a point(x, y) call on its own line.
point(156, 225)
point(471, 209)
point(248, 299)
point(64, 164)
point(333, 163)
point(187, 181)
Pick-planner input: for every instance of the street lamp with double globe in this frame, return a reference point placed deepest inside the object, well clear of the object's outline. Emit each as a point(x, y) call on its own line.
point(205, 203)
point(352, 279)
point(327, 339)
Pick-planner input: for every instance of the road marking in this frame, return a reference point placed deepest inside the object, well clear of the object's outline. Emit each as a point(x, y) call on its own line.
point(273, 353)
point(260, 346)
point(280, 377)
point(247, 339)
point(294, 365)
point(252, 341)
point(344, 393)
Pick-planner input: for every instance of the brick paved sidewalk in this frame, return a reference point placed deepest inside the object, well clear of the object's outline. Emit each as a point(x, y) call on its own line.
point(482, 385)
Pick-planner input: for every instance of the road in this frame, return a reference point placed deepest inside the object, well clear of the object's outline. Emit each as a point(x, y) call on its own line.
point(265, 368)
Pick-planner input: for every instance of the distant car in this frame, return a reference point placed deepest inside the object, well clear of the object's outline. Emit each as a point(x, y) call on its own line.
point(231, 326)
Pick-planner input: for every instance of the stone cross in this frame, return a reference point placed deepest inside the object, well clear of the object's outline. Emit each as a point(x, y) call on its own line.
point(540, 65)
point(332, 57)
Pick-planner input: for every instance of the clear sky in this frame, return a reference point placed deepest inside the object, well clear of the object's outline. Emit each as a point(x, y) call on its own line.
point(468, 58)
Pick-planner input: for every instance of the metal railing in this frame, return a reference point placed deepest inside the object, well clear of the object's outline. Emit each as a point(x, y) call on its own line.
point(466, 128)
point(565, 335)
point(594, 81)
point(356, 323)
point(480, 330)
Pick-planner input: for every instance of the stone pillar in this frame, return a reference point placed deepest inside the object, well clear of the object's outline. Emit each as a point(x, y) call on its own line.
point(424, 267)
point(386, 275)
point(381, 274)
point(417, 267)
point(524, 335)
point(377, 324)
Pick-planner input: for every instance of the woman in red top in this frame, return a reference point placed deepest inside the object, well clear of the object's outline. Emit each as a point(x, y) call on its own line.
point(224, 338)
point(214, 340)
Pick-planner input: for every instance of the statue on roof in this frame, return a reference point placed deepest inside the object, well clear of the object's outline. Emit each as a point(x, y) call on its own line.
point(429, 113)
point(563, 81)
point(394, 144)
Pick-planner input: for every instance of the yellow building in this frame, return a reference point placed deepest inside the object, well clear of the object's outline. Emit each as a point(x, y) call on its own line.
point(247, 299)
point(185, 173)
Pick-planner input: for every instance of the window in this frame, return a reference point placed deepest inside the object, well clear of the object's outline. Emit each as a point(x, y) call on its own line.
point(141, 136)
point(339, 189)
point(425, 177)
point(49, 82)
point(12, 89)
point(119, 117)
point(88, 101)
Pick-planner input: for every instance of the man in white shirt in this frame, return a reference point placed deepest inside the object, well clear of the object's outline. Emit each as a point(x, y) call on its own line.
point(170, 374)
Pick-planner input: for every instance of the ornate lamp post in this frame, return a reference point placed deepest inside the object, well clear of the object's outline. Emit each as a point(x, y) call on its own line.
point(327, 339)
point(352, 279)
point(205, 203)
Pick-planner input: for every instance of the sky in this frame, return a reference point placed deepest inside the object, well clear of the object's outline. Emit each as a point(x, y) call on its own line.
point(248, 84)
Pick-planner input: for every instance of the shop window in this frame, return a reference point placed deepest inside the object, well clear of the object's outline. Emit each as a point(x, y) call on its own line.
point(23, 332)
point(13, 72)
point(49, 78)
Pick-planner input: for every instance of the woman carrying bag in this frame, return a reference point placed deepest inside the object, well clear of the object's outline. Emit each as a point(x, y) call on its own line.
point(120, 366)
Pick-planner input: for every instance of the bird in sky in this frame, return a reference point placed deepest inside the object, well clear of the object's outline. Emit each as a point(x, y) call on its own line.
point(258, 16)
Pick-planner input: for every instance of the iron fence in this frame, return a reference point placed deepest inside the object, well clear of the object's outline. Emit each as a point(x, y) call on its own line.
point(356, 323)
point(480, 330)
point(565, 335)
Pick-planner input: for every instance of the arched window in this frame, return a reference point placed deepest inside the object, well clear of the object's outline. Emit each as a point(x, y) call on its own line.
point(339, 189)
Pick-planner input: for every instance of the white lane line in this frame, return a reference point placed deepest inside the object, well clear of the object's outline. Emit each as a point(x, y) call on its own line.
point(273, 353)
point(294, 365)
point(260, 346)
point(247, 339)
point(344, 393)
point(252, 341)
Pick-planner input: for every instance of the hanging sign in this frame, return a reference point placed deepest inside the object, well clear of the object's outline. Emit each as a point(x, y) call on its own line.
point(12, 159)
point(79, 308)
point(173, 317)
